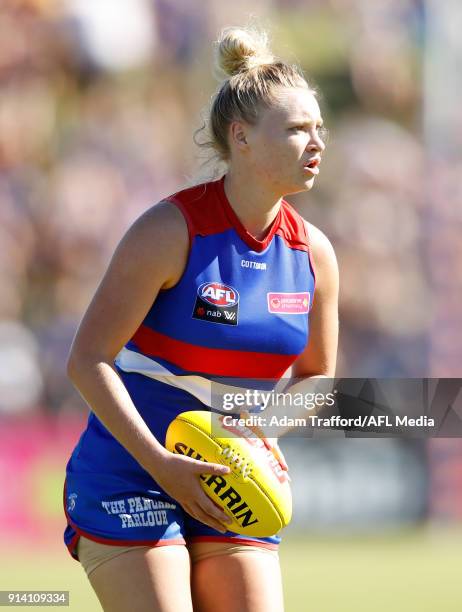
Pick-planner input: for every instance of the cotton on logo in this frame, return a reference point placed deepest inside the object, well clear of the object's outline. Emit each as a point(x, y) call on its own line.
point(218, 294)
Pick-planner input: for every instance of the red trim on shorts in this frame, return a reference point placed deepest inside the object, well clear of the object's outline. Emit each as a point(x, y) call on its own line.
point(242, 541)
point(153, 543)
point(72, 546)
point(80, 532)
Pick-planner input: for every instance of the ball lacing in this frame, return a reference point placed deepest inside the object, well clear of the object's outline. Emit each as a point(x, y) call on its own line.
point(235, 461)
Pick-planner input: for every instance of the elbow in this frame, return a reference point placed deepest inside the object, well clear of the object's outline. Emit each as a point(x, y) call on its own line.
point(79, 362)
point(73, 366)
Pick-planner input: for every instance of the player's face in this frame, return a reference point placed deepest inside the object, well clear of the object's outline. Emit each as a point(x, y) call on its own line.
point(286, 145)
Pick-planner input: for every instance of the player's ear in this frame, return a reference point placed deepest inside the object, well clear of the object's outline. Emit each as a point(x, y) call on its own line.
point(238, 134)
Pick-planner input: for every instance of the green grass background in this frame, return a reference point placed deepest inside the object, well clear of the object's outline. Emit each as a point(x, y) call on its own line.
point(417, 570)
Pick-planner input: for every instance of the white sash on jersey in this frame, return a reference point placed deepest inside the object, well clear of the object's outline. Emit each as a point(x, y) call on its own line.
point(198, 386)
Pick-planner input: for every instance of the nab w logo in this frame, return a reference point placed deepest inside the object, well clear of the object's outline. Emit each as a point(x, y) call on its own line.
point(216, 303)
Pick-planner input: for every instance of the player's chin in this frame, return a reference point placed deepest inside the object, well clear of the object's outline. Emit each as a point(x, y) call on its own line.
point(308, 179)
point(304, 185)
point(309, 182)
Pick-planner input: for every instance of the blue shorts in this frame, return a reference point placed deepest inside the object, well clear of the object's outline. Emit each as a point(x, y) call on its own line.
point(110, 498)
point(110, 511)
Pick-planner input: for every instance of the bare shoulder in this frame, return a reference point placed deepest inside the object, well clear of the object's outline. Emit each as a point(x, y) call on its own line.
point(163, 221)
point(321, 246)
point(324, 259)
point(159, 235)
point(150, 257)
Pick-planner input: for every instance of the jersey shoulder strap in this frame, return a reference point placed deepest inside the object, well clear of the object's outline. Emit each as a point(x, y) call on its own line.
point(293, 228)
point(202, 209)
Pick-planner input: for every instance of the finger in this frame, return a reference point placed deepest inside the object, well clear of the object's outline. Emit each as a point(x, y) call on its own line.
point(272, 445)
point(210, 468)
point(197, 513)
point(277, 452)
point(203, 517)
point(209, 507)
point(255, 429)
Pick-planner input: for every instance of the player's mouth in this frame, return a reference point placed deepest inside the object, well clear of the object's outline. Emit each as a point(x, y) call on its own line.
point(311, 166)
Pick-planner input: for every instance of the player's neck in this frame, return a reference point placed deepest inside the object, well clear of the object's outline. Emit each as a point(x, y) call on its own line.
point(255, 206)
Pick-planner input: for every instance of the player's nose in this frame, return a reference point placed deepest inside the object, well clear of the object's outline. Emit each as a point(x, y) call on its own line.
point(315, 144)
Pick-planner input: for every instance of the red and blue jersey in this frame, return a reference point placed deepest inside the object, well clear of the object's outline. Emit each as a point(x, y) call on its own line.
point(239, 310)
point(241, 306)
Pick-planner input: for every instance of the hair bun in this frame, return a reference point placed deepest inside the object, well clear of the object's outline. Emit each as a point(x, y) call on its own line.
point(241, 49)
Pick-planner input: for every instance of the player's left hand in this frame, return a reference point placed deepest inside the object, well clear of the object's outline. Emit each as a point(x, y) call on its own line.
point(273, 446)
point(270, 443)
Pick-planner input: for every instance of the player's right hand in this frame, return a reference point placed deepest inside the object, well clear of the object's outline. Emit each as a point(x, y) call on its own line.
point(179, 475)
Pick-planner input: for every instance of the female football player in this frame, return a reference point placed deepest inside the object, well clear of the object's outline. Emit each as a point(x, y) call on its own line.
point(215, 280)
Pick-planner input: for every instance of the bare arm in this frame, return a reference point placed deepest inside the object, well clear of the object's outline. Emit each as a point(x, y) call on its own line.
point(320, 355)
point(138, 270)
point(318, 360)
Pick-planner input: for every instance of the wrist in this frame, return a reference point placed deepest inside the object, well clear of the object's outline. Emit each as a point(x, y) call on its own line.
point(155, 463)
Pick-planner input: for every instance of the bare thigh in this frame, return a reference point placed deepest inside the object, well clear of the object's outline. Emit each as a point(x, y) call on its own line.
point(247, 580)
point(155, 579)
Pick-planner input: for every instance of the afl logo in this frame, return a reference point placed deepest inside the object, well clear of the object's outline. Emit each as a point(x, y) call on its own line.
point(218, 294)
point(216, 303)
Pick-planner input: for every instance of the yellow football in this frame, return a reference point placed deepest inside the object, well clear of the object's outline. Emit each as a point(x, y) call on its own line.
point(256, 493)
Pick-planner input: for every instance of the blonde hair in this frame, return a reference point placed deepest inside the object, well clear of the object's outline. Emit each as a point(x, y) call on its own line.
point(252, 76)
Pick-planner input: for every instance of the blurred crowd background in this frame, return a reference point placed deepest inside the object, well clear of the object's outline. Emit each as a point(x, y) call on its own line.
point(98, 105)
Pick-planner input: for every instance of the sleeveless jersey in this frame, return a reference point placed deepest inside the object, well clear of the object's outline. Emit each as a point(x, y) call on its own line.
point(239, 310)
point(241, 306)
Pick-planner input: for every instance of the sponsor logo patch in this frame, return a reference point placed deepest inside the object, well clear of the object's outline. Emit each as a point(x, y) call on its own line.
point(71, 502)
point(216, 303)
point(289, 303)
point(254, 265)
